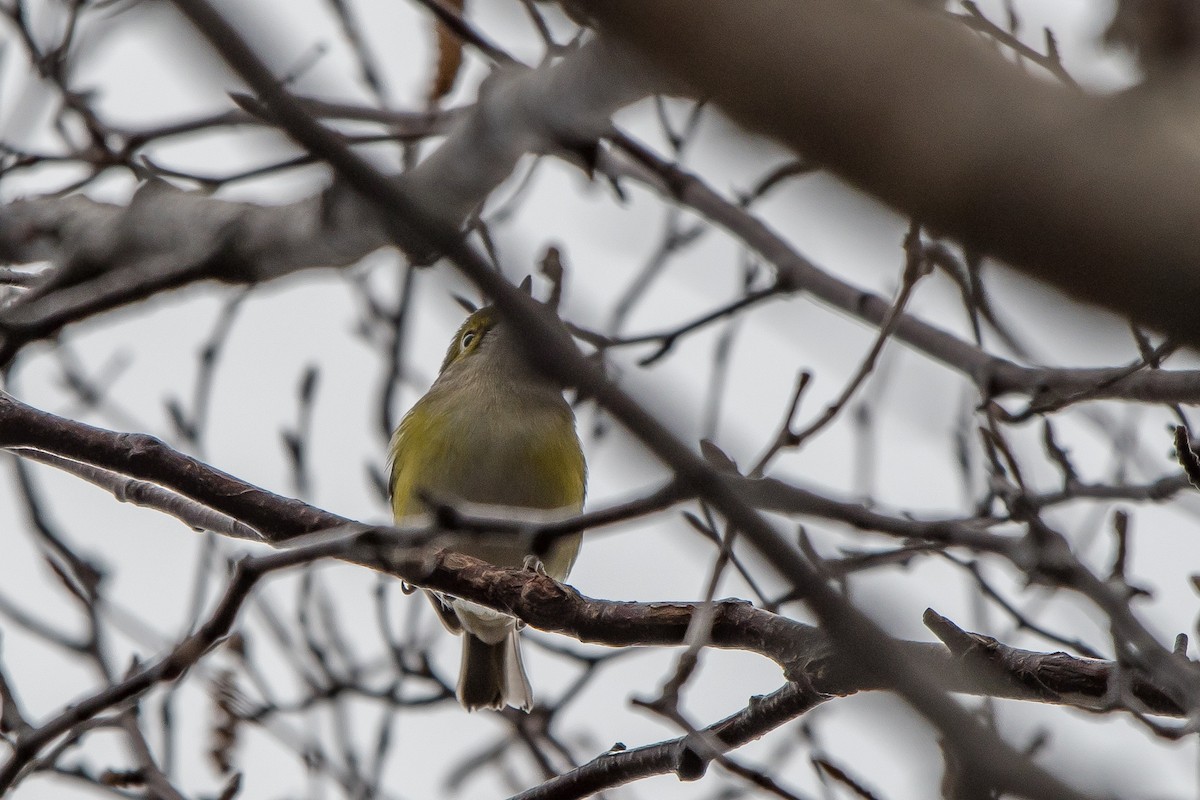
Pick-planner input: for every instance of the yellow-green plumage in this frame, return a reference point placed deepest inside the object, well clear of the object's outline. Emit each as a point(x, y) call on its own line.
point(491, 430)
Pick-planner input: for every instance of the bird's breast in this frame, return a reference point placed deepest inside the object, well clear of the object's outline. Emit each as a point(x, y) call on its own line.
point(523, 455)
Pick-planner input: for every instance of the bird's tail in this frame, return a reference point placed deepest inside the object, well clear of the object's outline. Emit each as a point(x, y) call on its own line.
point(492, 675)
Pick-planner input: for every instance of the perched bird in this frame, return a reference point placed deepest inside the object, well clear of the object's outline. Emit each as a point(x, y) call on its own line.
point(493, 430)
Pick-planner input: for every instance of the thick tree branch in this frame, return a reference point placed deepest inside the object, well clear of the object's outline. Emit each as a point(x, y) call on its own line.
point(980, 666)
point(149, 459)
point(1096, 196)
point(106, 255)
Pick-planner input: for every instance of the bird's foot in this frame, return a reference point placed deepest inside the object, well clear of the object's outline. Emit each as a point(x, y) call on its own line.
point(534, 564)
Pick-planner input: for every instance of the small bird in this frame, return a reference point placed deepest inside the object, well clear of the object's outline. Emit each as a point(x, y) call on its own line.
point(494, 430)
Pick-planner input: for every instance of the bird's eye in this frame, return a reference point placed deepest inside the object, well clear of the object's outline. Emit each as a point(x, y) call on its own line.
point(467, 338)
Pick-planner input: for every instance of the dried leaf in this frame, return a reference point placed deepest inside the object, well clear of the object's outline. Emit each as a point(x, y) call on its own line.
point(449, 57)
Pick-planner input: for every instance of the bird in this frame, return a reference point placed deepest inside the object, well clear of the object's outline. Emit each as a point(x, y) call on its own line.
point(492, 429)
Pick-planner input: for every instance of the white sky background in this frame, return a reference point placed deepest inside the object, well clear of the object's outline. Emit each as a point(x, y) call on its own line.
point(149, 68)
